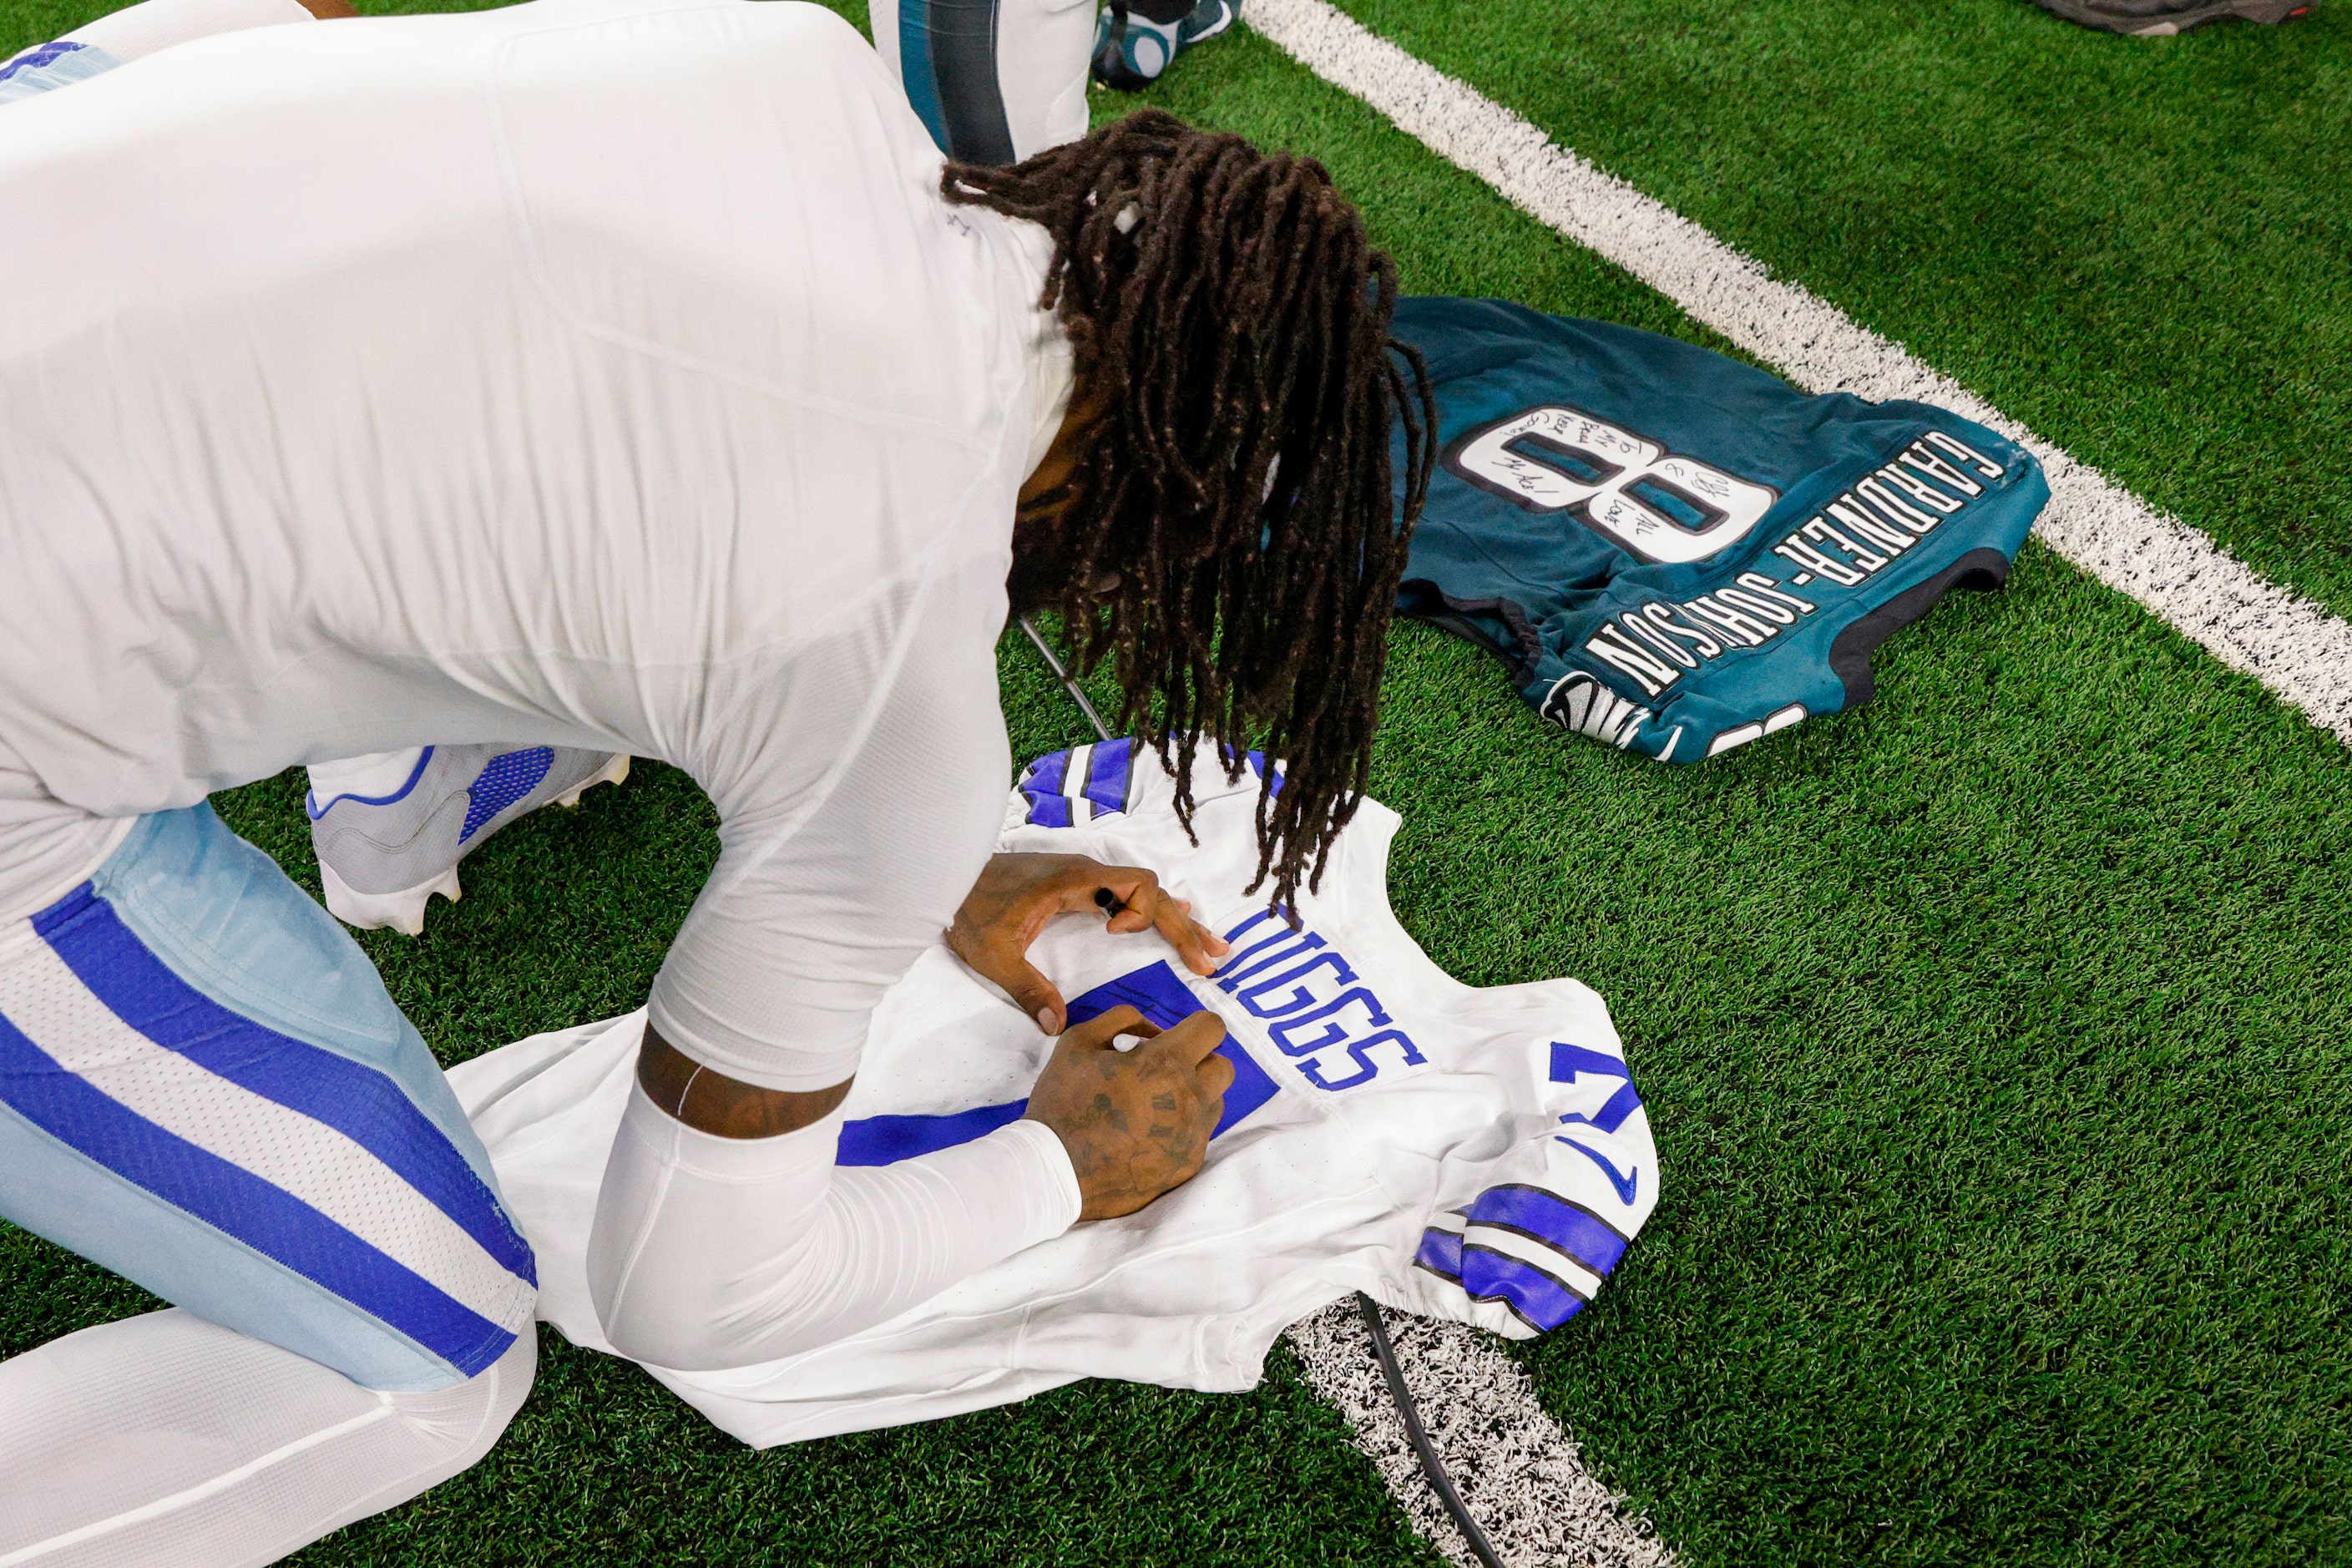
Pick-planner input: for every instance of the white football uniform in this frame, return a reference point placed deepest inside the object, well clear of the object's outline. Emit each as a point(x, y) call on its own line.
point(600, 373)
point(1478, 1154)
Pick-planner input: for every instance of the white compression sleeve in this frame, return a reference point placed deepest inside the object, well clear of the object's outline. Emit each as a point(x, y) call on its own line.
point(713, 1252)
point(154, 25)
point(168, 1441)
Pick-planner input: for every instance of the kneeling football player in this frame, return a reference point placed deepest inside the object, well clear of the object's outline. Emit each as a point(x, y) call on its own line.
point(597, 378)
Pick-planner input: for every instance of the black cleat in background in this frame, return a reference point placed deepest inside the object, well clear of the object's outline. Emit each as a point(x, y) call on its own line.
point(2162, 19)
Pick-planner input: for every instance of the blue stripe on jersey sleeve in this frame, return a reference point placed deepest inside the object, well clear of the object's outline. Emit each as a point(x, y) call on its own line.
point(1535, 1298)
point(1552, 1220)
point(1107, 776)
point(887, 1140)
point(1440, 1254)
point(1162, 998)
point(1042, 782)
point(1046, 775)
point(1256, 761)
point(354, 1098)
point(241, 1205)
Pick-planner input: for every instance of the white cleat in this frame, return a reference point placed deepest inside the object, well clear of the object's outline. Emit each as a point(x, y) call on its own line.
point(383, 857)
point(403, 911)
point(614, 770)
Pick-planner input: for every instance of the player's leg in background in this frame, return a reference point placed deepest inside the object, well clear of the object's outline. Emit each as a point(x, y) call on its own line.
point(205, 1087)
point(1136, 40)
point(1000, 80)
point(995, 80)
point(2164, 19)
point(389, 828)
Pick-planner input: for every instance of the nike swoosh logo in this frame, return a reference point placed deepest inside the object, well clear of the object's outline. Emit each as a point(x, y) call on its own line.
point(1625, 1184)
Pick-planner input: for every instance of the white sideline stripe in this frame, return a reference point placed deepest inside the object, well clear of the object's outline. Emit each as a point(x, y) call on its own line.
point(295, 1154)
point(1518, 1473)
point(2292, 646)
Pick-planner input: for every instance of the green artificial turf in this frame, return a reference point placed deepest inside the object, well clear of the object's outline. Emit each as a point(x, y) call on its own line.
point(1992, 1036)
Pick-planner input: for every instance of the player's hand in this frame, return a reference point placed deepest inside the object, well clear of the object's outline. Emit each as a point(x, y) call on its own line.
point(1136, 1122)
point(1017, 894)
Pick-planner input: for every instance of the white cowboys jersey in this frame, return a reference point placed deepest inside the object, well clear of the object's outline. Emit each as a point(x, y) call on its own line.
point(1478, 1154)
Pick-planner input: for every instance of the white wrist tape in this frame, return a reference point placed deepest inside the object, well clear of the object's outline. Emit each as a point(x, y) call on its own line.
point(154, 25)
point(712, 1252)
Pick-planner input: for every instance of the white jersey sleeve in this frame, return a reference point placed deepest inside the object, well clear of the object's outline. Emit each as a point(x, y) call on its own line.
point(824, 897)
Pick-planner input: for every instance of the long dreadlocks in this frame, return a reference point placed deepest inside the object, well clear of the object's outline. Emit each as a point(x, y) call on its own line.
point(1229, 320)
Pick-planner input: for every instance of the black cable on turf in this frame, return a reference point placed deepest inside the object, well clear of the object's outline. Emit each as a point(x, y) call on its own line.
point(1431, 1465)
point(1077, 693)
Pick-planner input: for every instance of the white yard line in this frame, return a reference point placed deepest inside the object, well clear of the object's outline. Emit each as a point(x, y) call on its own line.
point(2289, 644)
point(1517, 1472)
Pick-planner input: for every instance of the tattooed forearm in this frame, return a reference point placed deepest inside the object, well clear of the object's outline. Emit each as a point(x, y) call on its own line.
point(1094, 1096)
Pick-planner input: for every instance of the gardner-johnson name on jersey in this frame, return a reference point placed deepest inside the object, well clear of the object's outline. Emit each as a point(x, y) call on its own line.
point(1863, 532)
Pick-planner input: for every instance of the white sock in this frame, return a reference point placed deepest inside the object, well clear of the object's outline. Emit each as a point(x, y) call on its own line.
point(165, 1441)
point(1042, 50)
point(372, 777)
point(154, 25)
point(712, 1252)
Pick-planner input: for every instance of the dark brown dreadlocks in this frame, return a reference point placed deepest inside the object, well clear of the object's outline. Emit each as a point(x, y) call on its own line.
point(1230, 321)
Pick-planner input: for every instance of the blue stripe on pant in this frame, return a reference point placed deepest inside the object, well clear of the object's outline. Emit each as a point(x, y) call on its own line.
point(187, 1037)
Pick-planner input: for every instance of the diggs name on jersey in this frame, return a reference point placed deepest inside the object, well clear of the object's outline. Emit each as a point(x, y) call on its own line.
point(1317, 1011)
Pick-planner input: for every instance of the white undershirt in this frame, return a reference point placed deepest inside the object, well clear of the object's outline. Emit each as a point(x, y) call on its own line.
point(589, 372)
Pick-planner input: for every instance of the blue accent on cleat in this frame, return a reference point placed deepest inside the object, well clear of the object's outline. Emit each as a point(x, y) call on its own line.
point(507, 779)
point(380, 858)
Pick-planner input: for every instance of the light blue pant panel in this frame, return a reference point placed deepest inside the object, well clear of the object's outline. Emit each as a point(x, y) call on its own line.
point(61, 1193)
point(226, 921)
point(232, 924)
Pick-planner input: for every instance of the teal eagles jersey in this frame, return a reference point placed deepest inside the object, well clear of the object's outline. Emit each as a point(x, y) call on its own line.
point(1674, 553)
